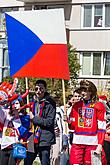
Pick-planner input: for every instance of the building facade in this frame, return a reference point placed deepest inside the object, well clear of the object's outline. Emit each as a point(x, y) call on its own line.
point(6, 6)
point(88, 28)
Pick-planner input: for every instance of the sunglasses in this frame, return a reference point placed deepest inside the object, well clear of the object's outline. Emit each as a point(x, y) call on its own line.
point(39, 88)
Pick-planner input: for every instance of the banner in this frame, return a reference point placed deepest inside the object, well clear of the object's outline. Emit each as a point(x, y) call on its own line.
point(37, 44)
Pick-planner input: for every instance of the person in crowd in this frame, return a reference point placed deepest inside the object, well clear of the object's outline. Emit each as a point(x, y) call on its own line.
point(69, 101)
point(64, 154)
point(104, 100)
point(58, 129)
point(59, 151)
point(87, 118)
point(76, 97)
point(10, 123)
point(64, 108)
point(42, 118)
point(21, 108)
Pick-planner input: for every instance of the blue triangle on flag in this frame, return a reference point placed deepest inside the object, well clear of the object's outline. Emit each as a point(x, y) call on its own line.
point(22, 43)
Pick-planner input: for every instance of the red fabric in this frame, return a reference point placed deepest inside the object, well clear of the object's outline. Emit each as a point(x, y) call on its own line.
point(107, 137)
point(101, 113)
point(81, 154)
point(102, 97)
point(93, 112)
point(51, 61)
point(7, 92)
point(1, 127)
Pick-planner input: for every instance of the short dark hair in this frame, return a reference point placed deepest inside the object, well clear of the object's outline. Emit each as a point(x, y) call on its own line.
point(41, 82)
point(69, 97)
point(77, 90)
point(90, 86)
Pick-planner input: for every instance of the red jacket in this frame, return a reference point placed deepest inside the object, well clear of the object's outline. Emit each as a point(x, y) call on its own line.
point(88, 122)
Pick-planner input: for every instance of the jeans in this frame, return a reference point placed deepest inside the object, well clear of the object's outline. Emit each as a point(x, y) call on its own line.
point(64, 158)
point(107, 151)
point(6, 157)
point(42, 152)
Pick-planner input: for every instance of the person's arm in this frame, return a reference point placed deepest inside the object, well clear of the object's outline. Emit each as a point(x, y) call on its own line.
point(48, 120)
point(2, 118)
point(101, 129)
point(71, 120)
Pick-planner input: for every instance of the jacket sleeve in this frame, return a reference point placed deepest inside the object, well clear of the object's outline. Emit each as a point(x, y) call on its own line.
point(101, 122)
point(2, 118)
point(71, 121)
point(48, 119)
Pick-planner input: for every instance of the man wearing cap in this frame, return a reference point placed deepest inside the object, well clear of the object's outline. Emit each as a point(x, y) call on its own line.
point(88, 120)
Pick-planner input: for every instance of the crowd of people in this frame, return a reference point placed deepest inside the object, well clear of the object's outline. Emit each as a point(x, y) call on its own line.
point(81, 137)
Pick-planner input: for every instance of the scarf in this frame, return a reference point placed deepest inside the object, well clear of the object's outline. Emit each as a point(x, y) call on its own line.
point(38, 110)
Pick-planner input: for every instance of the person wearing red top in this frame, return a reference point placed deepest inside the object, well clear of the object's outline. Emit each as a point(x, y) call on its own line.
point(87, 118)
point(104, 100)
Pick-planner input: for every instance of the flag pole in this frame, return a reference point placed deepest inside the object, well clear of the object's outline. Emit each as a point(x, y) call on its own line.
point(64, 103)
point(63, 87)
point(27, 87)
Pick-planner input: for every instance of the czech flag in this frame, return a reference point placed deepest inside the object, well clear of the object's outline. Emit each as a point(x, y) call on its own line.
point(37, 44)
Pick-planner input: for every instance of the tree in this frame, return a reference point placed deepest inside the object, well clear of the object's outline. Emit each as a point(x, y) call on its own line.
point(74, 65)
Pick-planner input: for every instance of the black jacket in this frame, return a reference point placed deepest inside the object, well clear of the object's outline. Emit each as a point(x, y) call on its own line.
point(46, 123)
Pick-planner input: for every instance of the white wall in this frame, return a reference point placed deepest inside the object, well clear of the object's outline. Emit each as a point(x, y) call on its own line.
point(89, 1)
point(37, 1)
point(7, 3)
point(75, 19)
point(91, 40)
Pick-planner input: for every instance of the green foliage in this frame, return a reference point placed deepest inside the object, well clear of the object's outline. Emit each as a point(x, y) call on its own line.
point(74, 65)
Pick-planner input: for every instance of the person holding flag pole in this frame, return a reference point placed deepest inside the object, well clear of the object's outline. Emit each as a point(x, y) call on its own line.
point(39, 56)
point(42, 117)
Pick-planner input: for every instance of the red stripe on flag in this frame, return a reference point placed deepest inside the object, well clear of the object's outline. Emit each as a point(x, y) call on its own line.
point(51, 61)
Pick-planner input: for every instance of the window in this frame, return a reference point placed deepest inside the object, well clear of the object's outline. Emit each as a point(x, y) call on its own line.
point(107, 15)
point(86, 63)
point(95, 63)
point(5, 70)
point(87, 16)
point(39, 7)
point(96, 15)
point(5, 57)
point(106, 63)
point(4, 62)
point(2, 16)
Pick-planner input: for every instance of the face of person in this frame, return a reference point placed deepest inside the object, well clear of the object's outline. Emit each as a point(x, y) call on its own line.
point(86, 94)
point(71, 101)
point(16, 104)
point(76, 97)
point(40, 91)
